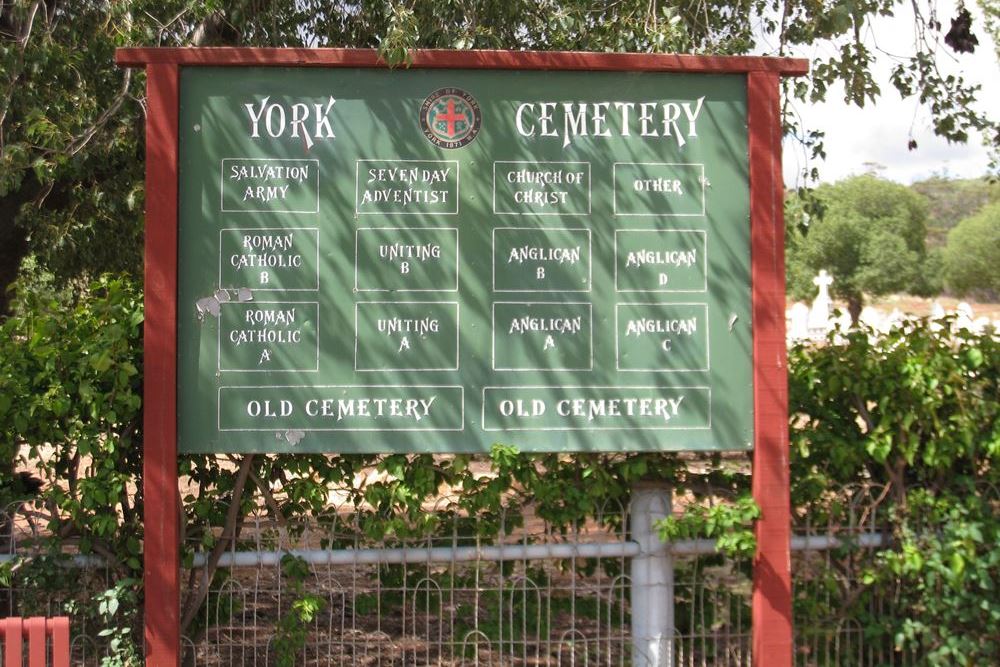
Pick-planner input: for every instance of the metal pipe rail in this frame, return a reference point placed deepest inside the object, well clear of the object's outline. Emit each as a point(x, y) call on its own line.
point(507, 552)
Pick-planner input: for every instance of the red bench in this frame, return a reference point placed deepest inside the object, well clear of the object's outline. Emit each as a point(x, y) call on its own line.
point(36, 631)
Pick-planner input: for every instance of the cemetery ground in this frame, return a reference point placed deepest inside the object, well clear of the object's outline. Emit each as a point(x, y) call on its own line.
point(923, 307)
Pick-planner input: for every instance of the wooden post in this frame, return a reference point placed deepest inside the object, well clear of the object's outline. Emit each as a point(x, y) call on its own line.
point(161, 551)
point(772, 582)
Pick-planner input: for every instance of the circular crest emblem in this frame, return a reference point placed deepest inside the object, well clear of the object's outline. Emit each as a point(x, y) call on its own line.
point(450, 118)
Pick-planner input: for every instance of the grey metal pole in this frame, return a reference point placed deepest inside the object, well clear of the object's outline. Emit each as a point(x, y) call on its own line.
point(652, 579)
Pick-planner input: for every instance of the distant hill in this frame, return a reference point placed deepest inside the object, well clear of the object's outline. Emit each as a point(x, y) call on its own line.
point(951, 201)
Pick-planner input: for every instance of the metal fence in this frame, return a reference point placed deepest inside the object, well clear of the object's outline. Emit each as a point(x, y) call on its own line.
point(311, 594)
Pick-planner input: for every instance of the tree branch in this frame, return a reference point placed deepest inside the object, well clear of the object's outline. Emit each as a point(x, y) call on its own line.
point(84, 137)
point(230, 532)
point(269, 500)
point(15, 73)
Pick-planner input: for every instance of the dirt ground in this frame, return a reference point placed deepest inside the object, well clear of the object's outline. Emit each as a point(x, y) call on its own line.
point(920, 306)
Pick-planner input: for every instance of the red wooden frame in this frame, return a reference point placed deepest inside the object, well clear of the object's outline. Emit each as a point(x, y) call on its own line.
point(771, 605)
point(772, 568)
point(161, 496)
point(438, 59)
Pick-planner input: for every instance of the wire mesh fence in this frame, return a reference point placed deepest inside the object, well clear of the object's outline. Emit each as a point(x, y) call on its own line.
point(327, 593)
point(840, 619)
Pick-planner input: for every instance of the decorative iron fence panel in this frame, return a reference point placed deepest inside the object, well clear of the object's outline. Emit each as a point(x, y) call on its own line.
point(325, 594)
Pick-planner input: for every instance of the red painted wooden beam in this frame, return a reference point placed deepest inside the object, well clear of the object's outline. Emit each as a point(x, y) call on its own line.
point(772, 586)
point(528, 60)
point(161, 550)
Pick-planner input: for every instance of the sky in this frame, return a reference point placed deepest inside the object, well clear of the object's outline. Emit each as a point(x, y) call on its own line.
point(879, 133)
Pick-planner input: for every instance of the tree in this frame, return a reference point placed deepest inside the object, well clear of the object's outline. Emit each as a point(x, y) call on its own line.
point(71, 141)
point(991, 19)
point(972, 255)
point(71, 123)
point(870, 237)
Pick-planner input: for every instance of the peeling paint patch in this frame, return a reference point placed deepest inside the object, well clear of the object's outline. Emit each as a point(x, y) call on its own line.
point(732, 321)
point(211, 304)
point(294, 437)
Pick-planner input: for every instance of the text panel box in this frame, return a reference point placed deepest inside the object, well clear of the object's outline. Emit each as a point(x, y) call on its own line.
point(406, 187)
point(670, 337)
point(259, 185)
point(269, 259)
point(661, 260)
point(659, 189)
point(541, 188)
point(396, 259)
point(406, 335)
point(542, 336)
point(541, 260)
point(541, 408)
point(342, 408)
point(268, 336)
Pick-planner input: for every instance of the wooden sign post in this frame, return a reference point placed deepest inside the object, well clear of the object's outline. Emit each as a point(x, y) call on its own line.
point(561, 251)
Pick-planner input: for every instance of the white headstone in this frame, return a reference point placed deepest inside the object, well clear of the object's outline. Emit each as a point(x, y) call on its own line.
point(937, 310)
point(872, 318)
point(798, 321)
point(819, 314)
point(842, 321)
point(964, 315)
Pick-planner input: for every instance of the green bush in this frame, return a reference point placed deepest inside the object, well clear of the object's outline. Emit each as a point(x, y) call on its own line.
point(911, 414)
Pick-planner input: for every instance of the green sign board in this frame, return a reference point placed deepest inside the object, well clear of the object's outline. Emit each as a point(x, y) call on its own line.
point(438, 260)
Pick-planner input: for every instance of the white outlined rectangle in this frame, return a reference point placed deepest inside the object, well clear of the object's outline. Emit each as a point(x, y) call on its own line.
point(315, 369)
point(357, 237)
point(704, 235)
point(271, 428)
point(493, 320)
point(357, 185)
point(222, 185)
point(458, 329)
point(270, 229)
point(706, 427)
point(589, 189)
point(708, 352)
point(590, 258)
point(614, 189)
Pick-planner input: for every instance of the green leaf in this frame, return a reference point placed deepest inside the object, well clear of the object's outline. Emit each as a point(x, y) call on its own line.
point(101, 362)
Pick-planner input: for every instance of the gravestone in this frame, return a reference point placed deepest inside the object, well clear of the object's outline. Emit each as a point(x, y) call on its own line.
point(798, 328)
point(819, 314)
point(873, 318)
point(964, 317)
